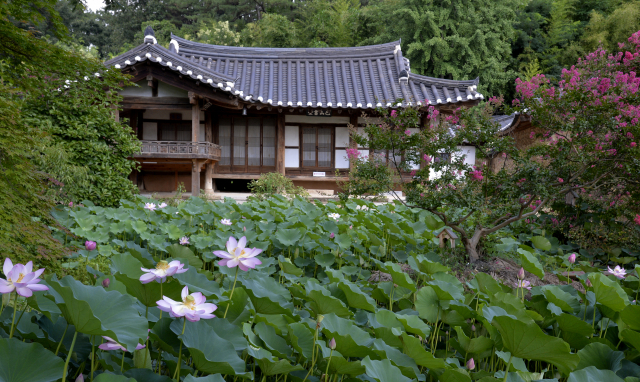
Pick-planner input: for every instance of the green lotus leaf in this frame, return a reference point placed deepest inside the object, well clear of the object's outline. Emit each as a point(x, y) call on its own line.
point(632, 337)
point(445, 290)
point(517, 364)
point(412, 347)
point(422, 264)
point(592, 374)
point(432, 222)
point(541, 243)
point(272, 341)
point(560, 298)
point(383, 371)
point(344, 241)
point(487, 284)
point(351, 341)
point(184, 253)
point(529, 342)
point(455, 375)
point(95, 311)
point(208, 378)
point(530, 263)
point(229, 332)
point(399, 277)
point(631, 316)
point(210, 352)
point(427, 304)
point(339, 365)
point(270, 365)
point(108, 377)
point(288, 237)
point(356, 298)
point(574, 331)
point(146, 375)
point(413, 324)
point(322, 302)
point(325, 259)
point(301, 338)
point(406, 364)
point(40, 302)
point(28, 362)
point(601, 356)
point(608, 292)
point(267, 295)
point(471, 346)
point(197, 282)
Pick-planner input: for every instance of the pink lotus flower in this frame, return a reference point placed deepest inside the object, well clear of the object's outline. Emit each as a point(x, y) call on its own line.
point(471, 364)
point(225, 221)
point(150, 206)
point(111, 344)
point(618, 271)
point(184, 240)
point(162, 271)
point(237, 255)
point(193, 306)
point(90, 245)
point(332, 235)
point(162, 205)
point(21, 279)
point(572, 258)
point(523, 284)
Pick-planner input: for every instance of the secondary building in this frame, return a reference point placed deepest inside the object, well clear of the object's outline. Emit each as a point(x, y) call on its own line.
point(210, 115)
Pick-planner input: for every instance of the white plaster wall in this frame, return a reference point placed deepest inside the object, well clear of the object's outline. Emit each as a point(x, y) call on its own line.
point(291, 136)
point(341, 159)
point(319, 120)
point(342, 137)
point(469, 153)
point(291, 158)
point(364, 153)
point(201, 133)
point(142, 90)
point(165, 90)
point(149, 131)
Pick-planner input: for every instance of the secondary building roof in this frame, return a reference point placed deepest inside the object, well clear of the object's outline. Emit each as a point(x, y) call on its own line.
point(362, 77)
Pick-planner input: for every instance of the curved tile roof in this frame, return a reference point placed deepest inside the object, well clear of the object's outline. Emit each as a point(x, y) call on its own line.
point(358, 77)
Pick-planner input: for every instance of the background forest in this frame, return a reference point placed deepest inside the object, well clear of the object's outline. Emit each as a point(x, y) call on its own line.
point(496, 40)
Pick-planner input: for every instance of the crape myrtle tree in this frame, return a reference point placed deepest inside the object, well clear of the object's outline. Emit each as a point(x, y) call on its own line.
point(586, 133)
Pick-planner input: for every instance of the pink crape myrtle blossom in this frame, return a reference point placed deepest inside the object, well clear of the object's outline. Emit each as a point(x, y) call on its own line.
point(162, 270)
point(193, 306)
point(637, 219)
point(21, 278)
point(237, 255)
point(111, 344)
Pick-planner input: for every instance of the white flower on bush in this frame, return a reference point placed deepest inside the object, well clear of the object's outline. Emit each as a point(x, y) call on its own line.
point(334, 216)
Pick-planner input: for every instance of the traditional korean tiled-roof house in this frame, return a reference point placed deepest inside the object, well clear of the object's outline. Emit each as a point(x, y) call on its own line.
point(209, 114)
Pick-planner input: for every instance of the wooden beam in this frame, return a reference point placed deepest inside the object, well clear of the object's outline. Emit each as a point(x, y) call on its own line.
point(280, 144)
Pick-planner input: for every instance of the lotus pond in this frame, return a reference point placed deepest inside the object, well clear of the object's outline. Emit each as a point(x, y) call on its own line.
point(319, 292)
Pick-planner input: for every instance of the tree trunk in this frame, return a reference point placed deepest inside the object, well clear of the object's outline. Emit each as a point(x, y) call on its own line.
point(471, 246)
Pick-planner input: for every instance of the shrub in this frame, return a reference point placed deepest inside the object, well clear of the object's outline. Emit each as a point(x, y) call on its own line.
point(274, 183)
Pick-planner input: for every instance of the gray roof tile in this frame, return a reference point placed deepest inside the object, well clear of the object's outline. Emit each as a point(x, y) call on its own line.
point(356, 77)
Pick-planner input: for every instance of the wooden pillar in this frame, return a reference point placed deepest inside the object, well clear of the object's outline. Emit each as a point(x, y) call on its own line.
point(195, 120)
point(353, 121)
point(280, 145)
point(195, 178)
point(209, 187)
point(208, 127)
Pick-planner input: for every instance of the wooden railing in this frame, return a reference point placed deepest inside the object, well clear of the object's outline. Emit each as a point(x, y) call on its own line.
point(179, 149)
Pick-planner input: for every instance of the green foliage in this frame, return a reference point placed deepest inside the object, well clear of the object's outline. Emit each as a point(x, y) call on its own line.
point(454, 39)
point(274, 183)
point(281, 319)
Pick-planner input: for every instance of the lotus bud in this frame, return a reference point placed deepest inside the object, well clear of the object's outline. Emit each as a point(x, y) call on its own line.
point(588, 283)
point(71, 205)
point(332, 344)
point(90, 245)
point(572, 258)
point(471, 364)
point(105, 283)
point(332, 235)
point(521, 274)
point(319, 320)
point(244, 229)
point(420, 338)
point(473, 328)
point(80, 378)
